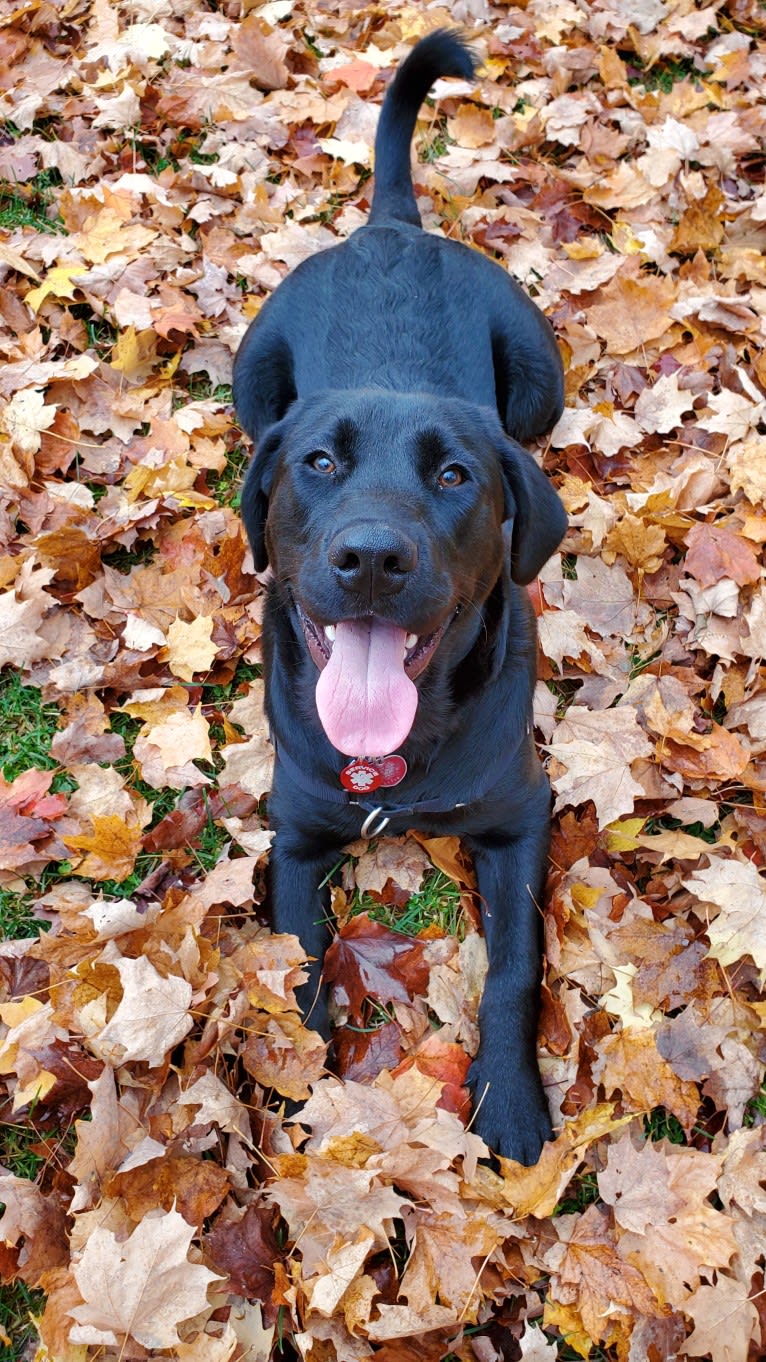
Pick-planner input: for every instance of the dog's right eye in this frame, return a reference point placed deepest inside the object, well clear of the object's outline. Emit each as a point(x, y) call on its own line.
point(321, 462)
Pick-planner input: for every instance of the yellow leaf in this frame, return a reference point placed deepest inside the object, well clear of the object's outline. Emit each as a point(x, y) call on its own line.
point(623, 835)
point(566, 1319)
point(134, 353)
point(13, 1013)
point(56, 284)
point(35, 1090)
point(113, 847)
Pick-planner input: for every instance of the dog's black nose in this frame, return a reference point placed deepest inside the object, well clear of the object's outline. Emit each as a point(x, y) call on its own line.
point(372, 559)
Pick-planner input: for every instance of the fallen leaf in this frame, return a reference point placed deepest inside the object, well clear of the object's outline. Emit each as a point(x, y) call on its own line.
point(141, 1288)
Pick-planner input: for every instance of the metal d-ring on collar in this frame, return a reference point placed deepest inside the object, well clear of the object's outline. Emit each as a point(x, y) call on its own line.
point(367, 829)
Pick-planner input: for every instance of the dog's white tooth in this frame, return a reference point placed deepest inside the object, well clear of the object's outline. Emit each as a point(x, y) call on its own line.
point(329, 632)
point(410, 641)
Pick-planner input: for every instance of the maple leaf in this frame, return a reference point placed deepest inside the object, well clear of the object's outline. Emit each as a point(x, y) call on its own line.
point(589, 1264)
point(142, 1287)
point(631, 311)
point(245, 1249)
point(397, 858)
point(113, 846)
point(662, 407)
point(596, 759)
point(738, 891)
point(22, 611)
point(151, 1017)
point(190, 647)
point(715, 552)
point(33, 1227)
point(367, 957)
point(725, 1321)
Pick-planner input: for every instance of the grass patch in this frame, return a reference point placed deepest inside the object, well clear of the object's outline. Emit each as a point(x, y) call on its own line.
point(215, 694)
point(667, 824)
point(436, 905)
point(17, 917)
point(565, 690)
point(226, 486)
point(124, 560)
point(581, 1193)
point(662, 1125)
point(437, 145)
point(31, 204)
point(18, 1303)
point(661, 75)
point(755, 1111)
point(27, 727)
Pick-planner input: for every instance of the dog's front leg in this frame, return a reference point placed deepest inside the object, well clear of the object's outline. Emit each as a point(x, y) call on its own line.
point(300, 904)
point(512, 1113)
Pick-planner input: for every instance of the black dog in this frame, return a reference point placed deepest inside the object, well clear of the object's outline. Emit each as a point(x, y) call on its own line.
point(386, 383)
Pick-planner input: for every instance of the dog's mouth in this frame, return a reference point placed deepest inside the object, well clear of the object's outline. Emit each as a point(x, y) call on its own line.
point(366, 697)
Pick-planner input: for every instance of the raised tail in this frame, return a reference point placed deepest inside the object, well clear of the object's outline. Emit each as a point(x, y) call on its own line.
point(441, 53)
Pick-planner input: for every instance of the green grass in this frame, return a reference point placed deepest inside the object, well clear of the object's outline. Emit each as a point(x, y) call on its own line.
point(581, 1193)
point(667, 824)
point(661, 75)
point(30, 205)
point(437, 145)
point(17, 916)
point(27, 726)
point(756, 1108)
point(437, 904)
point(662, 1125)
point(226, 486)
point(17, 1303)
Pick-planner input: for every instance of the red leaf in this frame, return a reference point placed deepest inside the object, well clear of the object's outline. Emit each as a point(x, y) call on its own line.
point(367, 958)
point(360, 1055)
point(247, 1250)
point(449, 1064)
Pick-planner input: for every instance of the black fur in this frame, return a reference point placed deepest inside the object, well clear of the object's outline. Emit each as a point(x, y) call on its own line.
point(398, 355)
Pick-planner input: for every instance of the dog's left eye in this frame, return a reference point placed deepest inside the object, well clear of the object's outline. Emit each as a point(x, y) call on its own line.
point(452, 476)
point(321, 462)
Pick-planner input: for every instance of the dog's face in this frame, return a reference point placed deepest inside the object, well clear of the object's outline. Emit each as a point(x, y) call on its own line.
point(384, 517)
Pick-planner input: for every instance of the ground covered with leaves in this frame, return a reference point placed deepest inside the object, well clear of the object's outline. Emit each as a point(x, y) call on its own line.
point(164, 164)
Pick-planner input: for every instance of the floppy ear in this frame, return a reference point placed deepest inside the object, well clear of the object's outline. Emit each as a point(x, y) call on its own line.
point(529, 375)
point(539, 519)
point(254, 505)
point(264, 384)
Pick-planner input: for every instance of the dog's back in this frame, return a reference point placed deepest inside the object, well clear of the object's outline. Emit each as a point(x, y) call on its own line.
point(399, 309)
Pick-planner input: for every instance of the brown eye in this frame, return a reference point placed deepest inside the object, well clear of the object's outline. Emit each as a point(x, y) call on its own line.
point(322, 462)
point(452, 476)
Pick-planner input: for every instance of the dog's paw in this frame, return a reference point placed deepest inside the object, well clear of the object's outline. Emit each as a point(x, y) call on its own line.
point(511, 1113)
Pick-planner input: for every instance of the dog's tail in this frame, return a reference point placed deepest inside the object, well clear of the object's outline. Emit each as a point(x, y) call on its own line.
point(442, 53)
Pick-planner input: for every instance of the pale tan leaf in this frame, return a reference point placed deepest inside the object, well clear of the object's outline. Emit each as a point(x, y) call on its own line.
point(141, 1288)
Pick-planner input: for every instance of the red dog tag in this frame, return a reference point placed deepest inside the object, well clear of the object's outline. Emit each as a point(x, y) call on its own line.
point(360, 776)
point(365, 774)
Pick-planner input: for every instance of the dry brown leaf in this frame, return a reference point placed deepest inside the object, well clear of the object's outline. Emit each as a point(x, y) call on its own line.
point(142, 1288)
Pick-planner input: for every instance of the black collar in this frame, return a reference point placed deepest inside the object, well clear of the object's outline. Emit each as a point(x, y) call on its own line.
point(320, 790)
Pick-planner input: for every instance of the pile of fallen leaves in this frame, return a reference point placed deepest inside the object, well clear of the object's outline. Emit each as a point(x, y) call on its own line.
point(164, 164)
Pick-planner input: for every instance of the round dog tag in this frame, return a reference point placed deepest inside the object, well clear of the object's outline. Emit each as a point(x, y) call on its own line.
point(360, 776)
point(392, 769)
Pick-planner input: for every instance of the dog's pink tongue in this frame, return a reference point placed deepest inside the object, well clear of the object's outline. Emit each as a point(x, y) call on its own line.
point(365, 700)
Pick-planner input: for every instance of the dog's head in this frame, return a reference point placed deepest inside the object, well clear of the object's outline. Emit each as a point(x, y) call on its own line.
point(385, 517)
